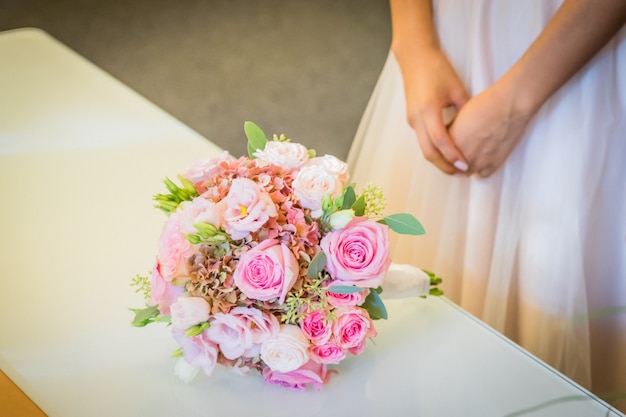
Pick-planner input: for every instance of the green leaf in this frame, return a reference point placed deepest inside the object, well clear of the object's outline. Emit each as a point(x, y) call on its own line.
point(193, 239)
point(188, 186)
point(435, 292)
point(405, 224)
point(197, 329)
point(375, 306)
point(349, 197)
point(144, 316)
point(316, 265)
point(344, 289)
point(171, 187)
point(359, 206)
point(434, 279)
point(256, 138)
point(178, 353)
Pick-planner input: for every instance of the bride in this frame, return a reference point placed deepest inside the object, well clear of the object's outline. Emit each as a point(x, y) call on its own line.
point(514, 160)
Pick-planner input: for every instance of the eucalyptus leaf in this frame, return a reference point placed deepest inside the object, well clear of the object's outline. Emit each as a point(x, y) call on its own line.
point(405, 224)
point(316, 265)
point(256, 138)
point(344, 289)
point(375, 306)
point(144, 316)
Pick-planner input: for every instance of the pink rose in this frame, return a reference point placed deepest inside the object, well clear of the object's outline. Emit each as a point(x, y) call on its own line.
point(359, 253)
point(163, 292)
point(345, 300)
point(317, 327)
point(328, 353)
point(174, 249)
point(288, 155)
point(245, 209)
point(287, 351)
point(352, 327)
point(242, 331)
point(310, 373)
point(312, 183)
point(199, 210)
point(198, 351)
point(189, 311)
point(267, 271)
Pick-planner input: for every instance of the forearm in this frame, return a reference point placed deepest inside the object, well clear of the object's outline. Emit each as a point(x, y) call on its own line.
point(412, 27)
point(578, 30)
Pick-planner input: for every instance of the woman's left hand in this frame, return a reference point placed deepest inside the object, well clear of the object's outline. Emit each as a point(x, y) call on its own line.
point(487, 129)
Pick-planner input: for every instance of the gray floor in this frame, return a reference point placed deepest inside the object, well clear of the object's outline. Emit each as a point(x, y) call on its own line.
point(305, 68)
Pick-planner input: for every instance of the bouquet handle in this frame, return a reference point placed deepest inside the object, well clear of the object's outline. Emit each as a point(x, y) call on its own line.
point(404, 280)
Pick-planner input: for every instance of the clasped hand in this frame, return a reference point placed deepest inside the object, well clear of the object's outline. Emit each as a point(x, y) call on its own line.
point(485, 131)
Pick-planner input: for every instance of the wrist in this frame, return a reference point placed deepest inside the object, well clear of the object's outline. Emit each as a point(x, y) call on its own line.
point(520, 98)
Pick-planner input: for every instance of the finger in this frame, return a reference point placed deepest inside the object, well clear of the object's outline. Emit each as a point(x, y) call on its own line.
point(431, 153)
point(441, 140)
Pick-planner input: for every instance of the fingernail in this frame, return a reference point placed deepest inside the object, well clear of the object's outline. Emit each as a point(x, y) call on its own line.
point(461, 166)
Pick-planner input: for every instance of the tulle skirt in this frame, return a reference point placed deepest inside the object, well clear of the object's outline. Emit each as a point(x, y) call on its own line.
point(537, 250)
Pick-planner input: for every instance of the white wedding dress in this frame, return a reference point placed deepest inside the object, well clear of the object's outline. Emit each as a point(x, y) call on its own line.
point(538, 250)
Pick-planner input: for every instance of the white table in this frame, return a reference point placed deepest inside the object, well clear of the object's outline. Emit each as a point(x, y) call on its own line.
point(80, 157)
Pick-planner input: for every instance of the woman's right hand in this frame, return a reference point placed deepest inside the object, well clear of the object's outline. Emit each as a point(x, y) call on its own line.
point(431, 86)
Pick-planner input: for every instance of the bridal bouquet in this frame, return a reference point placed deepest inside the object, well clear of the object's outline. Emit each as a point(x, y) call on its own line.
point(271, 262)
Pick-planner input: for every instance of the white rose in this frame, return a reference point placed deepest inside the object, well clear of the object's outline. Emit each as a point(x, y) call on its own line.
point(312, 183)
point(287, 351)
point(284, 154)
point(333, 164)
point(189, 311)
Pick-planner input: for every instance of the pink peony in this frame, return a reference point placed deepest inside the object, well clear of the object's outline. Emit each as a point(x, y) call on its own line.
point(352, 327)
point(198, 351)
point(262, 326)
point(328, 353)
point(317, 327)
point(359, 253)
point(174, 249)
point(267, 271)
point(245, 209)
point(203, 169)
point(287, 351)
point(189, 311)
point(311, 373)
point(163, 292)
point(229, 332)
point(242, 331)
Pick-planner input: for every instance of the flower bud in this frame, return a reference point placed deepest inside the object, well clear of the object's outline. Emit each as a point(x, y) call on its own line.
point(341, 218)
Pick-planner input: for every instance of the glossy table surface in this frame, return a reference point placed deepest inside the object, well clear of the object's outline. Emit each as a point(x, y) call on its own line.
point(80, 157)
